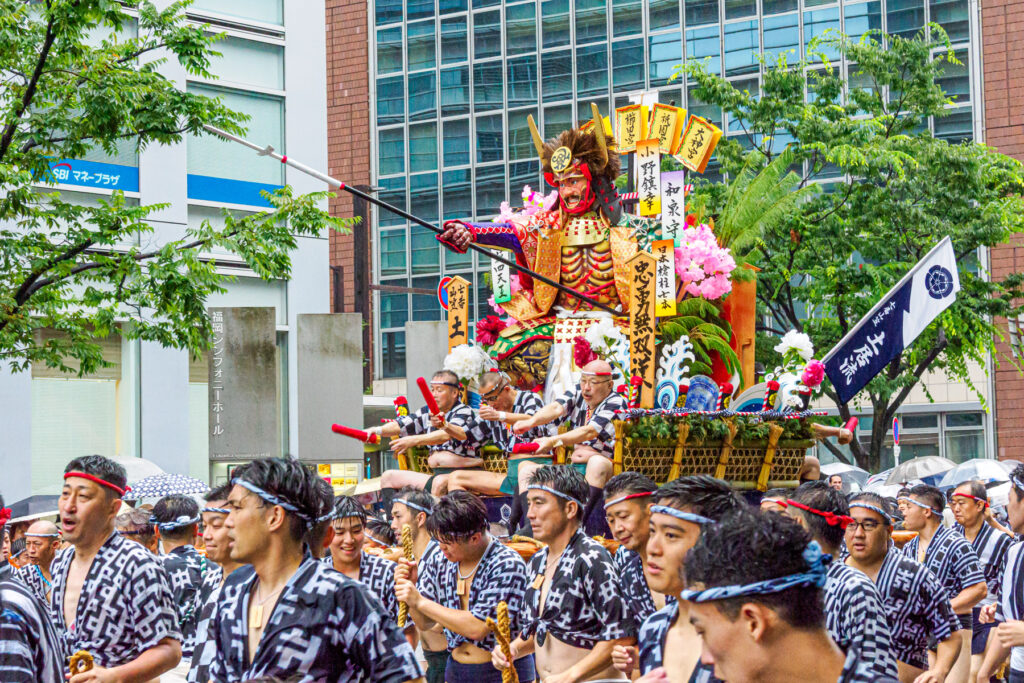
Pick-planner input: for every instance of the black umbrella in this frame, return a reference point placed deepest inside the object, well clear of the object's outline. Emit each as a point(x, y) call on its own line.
point(34, 507)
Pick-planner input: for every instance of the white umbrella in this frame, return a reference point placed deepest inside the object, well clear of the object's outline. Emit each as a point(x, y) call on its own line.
point(1009, 465)
point(983, 469)
point(138, 468)
point(164, 485)
point(846, 470)
point(999, 495)
point(919, 468)
point(880, 477)
point(888, 490)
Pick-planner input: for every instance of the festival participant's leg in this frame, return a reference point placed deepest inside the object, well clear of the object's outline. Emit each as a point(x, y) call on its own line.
point(979, 643)
point(599, 471)
point(962, 667)
point(477, 481)
point(439, 484)
point(398, 479)
point(907, 673)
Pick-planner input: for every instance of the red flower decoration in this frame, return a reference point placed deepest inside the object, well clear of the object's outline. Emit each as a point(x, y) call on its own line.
point(581, 352)
point(691, 220)
point(636, 380)
point(487, 330)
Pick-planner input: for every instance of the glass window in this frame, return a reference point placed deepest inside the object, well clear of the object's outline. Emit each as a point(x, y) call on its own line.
point(956, 126)
point(456, 142)
point(520, 143)
point(557, 119)
point(741, 48)
point(490, 190)
point(708, 112)
point(627, 17)
point(458, 197)
point(628, 65)
point(524, 173)
point(672, 97)
point(734, 9)
point(782, 34)
point(266, 11)
point(591, 21)
point(455, 91)
point(776, 6)
point(421, 45)
point(426, 254)
point(556, 68)
point(392, 191)
point(390, 100)
point(392, 253)
point(920, 421)
point(418, 9)
point(815, 24)
point(250, 62)
point(737, 126)
point(387, 11)
point(666, 53)
point(955, 80)
point(480, 4)
point(389, 50)
point(522, 81)
point(391, 151)
point(963, 420)
point(425, 306)
point(904, 17)
point(554, 23)
point(703, 43)
point(423, 147)
point(952, 16)
point(422, 96)
point(521, 28)
point(858, 80)
point(392, 354)
point(490, 139)
point(487, 86)
point(487, 34)
point(863, 18)
point(663, 14)
point(394, 306)
point(213, 156)
point(701, 12)
point(449, 6)
point(453, 40)
point(423, 197)
point(592, 70)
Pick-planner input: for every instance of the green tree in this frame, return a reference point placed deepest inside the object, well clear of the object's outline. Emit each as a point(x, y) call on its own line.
point(75, 78)
point(891, 191)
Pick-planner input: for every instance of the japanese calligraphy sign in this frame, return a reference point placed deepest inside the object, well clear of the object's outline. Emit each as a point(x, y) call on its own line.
point(642, 359)
point(648, 177)
point(501, 281)
point(630, 127)
point(673, 205)
point(587, 125)
point(698, 144)
point(458, 312)
point(243, 402)
point(665, 277)
point(666, 124)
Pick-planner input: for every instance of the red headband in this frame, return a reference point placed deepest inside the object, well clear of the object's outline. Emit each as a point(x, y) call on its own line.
point(841, 521)
point(967, 495)
point(101, 482)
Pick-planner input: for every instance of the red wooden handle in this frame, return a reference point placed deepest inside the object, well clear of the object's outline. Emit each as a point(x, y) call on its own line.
point(427, 396)
point(365, 437)
point(525, 448)
point(851, 424)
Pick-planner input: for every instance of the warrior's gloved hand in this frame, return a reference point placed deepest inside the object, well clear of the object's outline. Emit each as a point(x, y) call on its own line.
point(456, 236)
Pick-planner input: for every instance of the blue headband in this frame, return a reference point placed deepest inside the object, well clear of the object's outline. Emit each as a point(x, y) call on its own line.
point(564, 496)
point(815, 576)
point(179, 523)
point(219, 511)
point(414, 506)
point(873, 508)
point(919, 504)
point(679, 514)
point(274, 500)
point(1017, 483)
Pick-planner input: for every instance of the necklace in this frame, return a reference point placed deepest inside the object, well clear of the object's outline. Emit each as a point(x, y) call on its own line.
point(256, 620)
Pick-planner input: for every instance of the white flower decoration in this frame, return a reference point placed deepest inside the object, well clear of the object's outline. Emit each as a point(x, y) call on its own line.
point(797, 342)
point(467, 361)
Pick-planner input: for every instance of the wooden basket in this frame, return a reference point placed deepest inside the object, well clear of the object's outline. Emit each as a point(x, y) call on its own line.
point(494, 459)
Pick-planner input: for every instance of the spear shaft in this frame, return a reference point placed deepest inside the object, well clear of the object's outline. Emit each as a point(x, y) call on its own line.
point(337, 184)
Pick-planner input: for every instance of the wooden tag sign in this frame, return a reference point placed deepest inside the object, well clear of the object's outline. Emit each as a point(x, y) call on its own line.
point(642, 341)
point(630, 127)
point(699, 142)
point(458, 312)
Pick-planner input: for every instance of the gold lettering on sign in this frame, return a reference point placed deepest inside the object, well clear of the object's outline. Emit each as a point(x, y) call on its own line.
point(641, 324)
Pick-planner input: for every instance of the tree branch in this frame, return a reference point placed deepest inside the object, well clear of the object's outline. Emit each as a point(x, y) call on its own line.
point(30, 89)
point(893, 405)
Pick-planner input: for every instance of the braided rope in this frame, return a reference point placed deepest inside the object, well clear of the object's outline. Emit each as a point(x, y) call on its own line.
point(503, 634)
point(407, 553)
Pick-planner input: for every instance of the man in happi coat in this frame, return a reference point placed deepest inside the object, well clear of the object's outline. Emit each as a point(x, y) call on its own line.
point(30, 651)
point(41, 543)
point(627, 507)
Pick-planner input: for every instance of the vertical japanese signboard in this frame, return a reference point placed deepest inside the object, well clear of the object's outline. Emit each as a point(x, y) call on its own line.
point(648, 180)
point(641, 324)
point(501, 280)
point(458, 312)
point(665, 277)
point(673, 205)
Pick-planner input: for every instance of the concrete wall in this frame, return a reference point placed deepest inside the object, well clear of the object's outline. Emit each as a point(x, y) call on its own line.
point(426, 346)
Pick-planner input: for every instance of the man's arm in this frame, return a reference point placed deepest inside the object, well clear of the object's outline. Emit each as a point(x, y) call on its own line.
point(945, 655)
point(598, 659)
point(518, 647)
point(545, 415)
point(152, 663)
point(995, 654)
point(969, 597)
point(460, 621)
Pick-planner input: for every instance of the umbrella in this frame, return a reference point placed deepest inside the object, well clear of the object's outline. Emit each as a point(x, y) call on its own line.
point(889, 490)
point(980, 468)
point(1009, 465)
point(880, 477)
point(919, 468)
point(138, 468)
point(164, 485)
point(854, 478)
point(34, 507)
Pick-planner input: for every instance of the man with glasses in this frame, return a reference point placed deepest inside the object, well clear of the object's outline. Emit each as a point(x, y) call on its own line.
point(589, 409)
point(448, 436)
point(504, 405)
point(916, 604)
point(969, 503)
point(951, 559)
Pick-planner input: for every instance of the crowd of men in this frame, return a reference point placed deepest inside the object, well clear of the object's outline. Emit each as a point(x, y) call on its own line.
point(292, 583)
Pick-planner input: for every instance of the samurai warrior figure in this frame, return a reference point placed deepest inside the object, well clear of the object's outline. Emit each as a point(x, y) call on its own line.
point(582, 242)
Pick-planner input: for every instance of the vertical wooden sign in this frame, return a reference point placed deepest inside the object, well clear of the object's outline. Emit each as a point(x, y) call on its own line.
point(641, 324)
point(458, 312)
point(673, 205)
point(648, 177)
point(501, 280)
point(664, 253)
point(666, 125)
point(630, 127)
point(699, 142)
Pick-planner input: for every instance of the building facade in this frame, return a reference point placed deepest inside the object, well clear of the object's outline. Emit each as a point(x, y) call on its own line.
point(451, 83)
point(152, 401)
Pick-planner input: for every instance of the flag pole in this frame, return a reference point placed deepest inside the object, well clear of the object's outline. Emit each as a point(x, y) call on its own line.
point(268, 151)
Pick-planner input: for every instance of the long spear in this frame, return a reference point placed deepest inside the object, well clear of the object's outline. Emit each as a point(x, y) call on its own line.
point(268, 151)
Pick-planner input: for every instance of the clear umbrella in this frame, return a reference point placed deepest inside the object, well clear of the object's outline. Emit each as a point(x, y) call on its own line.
point(983, 469)
point(920, 468)
point(138, 468)
point(164, 485)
